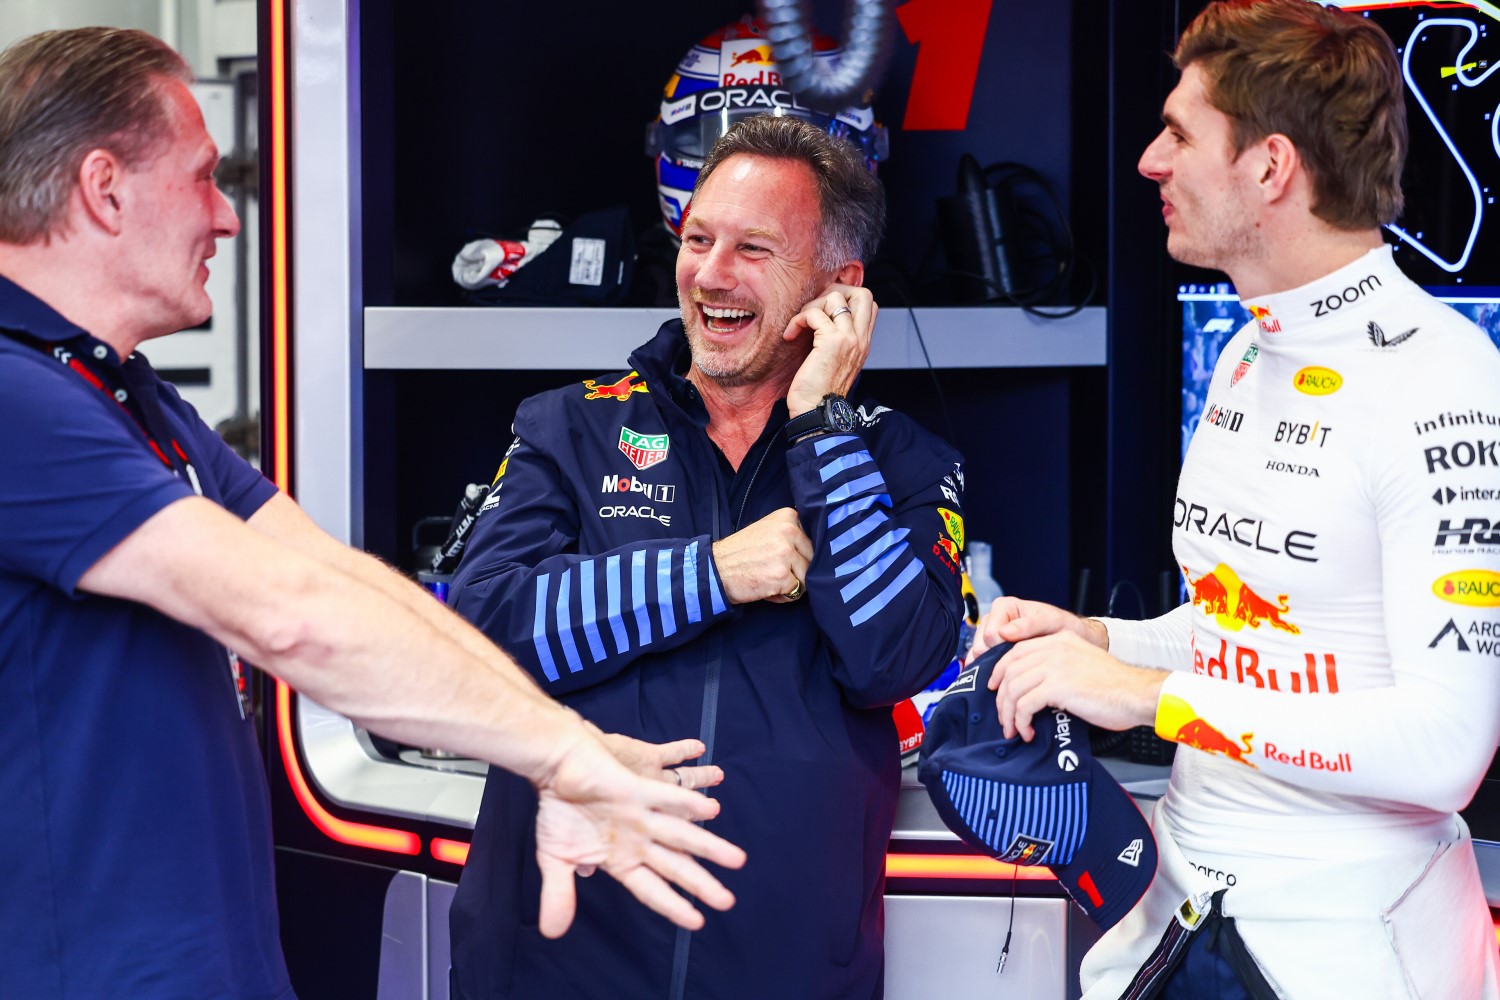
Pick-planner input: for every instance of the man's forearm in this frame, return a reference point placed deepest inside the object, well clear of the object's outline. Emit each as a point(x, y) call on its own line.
point(344, 642)
point(375, 574)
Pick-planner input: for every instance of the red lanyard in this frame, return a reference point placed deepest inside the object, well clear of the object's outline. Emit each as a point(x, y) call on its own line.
point(139, 414)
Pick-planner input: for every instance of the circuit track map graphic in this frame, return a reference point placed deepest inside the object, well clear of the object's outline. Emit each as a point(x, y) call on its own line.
point(1448, 233)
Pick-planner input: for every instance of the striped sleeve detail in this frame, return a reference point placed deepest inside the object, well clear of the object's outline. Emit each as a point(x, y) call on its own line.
point(859, 530)
point(565, 623)
point(881, 561)
point(690, 583)
point(823, 445)
point(910, 572)
point(617, 604)
point(853, 507)
point(539, 629)
point(716, 596)
point(877, 563)
point(862, 485)
point(844, 463)
point(638, 591)
point(874, 551)
point(664, 592)
point(616, 622)
point(590, 605)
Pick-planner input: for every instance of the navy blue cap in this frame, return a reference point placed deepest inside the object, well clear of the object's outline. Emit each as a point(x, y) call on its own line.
point(1046, 802)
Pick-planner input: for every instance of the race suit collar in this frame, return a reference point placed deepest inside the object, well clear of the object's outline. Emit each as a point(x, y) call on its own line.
point(1327, 303)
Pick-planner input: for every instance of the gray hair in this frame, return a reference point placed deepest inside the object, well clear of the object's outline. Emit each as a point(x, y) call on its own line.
point(63, 94)
point(850, 197)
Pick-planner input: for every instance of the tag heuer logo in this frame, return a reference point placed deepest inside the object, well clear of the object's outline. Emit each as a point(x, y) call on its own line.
point(1132, 853)
point(643, 450)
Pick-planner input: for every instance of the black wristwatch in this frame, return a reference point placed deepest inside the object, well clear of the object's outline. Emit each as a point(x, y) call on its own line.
point(832, 415)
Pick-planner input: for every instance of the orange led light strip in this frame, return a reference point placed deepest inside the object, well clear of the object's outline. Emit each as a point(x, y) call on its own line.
point(344, 831)
point(280, 364)
point(960, 866)
point(455, 852)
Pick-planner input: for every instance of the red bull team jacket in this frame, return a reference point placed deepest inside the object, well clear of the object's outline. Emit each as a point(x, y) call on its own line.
point(592, 564)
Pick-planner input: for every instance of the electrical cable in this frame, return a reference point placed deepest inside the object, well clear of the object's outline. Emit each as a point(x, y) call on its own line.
point(1052, 236)
point(1114, 593)
point(901, 287)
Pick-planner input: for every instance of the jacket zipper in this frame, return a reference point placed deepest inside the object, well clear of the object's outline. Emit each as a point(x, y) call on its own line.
point(682, 946)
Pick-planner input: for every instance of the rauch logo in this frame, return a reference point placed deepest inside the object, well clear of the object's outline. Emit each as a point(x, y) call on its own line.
point(1318, 381)
point(1477, 588)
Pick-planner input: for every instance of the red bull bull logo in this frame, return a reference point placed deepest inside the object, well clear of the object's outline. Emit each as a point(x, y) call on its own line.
point(1234, 604)
point(947, 553)
point(747, 63)
point(1177, 721)
point(620, 390)
point(1264, 319)
point(759, 54)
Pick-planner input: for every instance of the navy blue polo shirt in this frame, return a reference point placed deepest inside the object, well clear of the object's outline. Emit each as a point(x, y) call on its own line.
point(135, 832)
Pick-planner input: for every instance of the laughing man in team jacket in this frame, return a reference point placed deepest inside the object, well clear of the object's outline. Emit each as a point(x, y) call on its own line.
point(713, 543)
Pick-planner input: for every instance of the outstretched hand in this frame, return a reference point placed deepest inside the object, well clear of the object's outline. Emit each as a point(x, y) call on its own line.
point(593, 812)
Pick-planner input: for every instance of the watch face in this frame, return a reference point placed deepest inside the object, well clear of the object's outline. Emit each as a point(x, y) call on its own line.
point(840, 415)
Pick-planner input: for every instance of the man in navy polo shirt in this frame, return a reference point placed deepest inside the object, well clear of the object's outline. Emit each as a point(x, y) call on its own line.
point(136, 551)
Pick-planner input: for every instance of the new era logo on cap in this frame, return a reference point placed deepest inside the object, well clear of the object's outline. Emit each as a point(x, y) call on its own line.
point(1046, 802)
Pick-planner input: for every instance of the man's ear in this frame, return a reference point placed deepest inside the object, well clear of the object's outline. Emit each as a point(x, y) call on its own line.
point(100, 188)
point(852, 273)
point(1280, 165)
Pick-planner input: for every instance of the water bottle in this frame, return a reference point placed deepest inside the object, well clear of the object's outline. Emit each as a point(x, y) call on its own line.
point(981, 556)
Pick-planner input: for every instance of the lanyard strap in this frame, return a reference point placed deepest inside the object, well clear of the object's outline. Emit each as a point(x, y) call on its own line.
point(144, 413)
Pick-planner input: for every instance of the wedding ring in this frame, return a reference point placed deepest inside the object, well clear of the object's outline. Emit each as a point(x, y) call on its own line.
point(796, 591)
point(839, 312)
point(677, 776)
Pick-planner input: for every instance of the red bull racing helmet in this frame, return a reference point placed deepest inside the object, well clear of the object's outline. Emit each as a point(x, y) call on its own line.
point(727, 76)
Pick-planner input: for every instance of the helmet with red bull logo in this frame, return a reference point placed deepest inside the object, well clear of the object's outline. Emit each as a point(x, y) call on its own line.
point(727, 76)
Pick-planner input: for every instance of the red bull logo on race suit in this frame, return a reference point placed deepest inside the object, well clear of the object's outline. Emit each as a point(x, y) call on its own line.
point(1177, 721)
point(1234, 604)
point(1264, 319)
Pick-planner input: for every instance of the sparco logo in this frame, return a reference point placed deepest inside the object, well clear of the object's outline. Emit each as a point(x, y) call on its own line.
point(1350, 295)
point(1461, 455)
point(660, 492)
point(1218, 416)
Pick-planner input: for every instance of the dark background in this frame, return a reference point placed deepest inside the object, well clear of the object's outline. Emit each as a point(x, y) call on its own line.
point(1070, 470)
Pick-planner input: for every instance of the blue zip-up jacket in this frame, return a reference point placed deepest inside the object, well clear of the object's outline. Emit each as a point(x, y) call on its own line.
point(591, 563)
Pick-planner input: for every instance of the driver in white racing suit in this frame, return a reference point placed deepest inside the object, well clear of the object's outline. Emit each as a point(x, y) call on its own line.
point(1334, 677)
